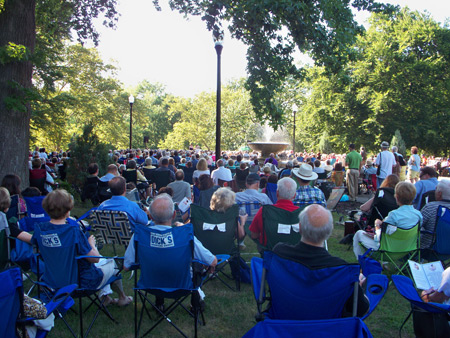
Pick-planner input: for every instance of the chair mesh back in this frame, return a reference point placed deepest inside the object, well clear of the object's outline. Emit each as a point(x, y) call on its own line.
point(401, 241)
point(10, 301)
point(251, 208)
point(165, 257)
point(113, 226)
point(298, 293)
point(58, 248)
point(442, 244)
point(161, 178)
point(130, 176)
point(280, 225)
point(218, 242)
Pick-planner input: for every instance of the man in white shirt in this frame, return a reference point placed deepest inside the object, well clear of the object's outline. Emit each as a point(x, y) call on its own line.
point(221, 173)
point(385, 160)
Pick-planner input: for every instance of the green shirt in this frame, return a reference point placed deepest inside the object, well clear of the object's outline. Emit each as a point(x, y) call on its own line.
point(353, 159)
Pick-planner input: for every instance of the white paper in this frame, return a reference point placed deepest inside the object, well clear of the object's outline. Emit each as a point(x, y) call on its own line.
point(426, 276)
point(286, 228)
point(208, 226)
point(184, 204)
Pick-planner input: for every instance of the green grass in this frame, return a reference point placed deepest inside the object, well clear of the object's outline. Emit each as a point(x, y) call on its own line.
point(231, 314)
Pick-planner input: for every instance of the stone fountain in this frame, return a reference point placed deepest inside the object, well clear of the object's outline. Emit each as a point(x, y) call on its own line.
point(266, 148)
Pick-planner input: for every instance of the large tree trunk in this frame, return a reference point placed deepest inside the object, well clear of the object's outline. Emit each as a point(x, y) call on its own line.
point(17, 25)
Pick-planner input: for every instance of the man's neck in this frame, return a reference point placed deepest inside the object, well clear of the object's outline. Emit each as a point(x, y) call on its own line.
point(319, 245)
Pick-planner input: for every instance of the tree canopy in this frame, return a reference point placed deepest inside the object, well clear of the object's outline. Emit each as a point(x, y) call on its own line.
point(273, 30)
point(398, 80)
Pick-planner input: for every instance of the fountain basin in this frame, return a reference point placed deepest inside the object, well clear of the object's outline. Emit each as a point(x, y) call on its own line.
point(266, 148)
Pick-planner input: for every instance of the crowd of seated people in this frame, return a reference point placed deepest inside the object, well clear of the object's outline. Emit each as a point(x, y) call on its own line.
point(295, 183)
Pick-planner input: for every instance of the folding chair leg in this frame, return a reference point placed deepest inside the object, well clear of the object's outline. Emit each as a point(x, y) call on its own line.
point(404, 322)
point(80, 308)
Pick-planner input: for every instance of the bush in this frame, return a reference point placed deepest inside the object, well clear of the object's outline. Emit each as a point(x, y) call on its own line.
point(84, 150)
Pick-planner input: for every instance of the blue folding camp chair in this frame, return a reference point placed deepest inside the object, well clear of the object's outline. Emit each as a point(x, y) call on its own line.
point(406, 288)
point(271, 191)
point(165, 257)
point(35, 213)
point(58, 248)
point(441, 234)
point(326, 328)
point(11, 298)
point(297, 292)
point(251, 208)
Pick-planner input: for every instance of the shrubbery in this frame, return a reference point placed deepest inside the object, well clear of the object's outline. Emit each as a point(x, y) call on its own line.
point(85, 149)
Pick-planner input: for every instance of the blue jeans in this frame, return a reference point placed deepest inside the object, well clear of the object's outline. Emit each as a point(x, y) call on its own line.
point(379, 181)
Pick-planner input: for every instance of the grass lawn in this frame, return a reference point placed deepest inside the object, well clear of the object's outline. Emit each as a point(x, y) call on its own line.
point(231, 314)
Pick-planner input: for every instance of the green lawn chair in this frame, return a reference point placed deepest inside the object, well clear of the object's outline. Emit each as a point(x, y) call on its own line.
point(398, 247)
point(280, 226)
point(217, 232)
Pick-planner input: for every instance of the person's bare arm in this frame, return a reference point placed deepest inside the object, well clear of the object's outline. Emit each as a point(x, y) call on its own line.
point(25, 237)
point(241, 225)
point(93, 252)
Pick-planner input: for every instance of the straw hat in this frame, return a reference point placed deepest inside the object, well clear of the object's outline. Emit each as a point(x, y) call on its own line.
point(305, 172)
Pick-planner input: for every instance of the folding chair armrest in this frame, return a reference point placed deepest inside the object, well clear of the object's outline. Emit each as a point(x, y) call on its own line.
point(60, 297)
point(107, 257)
point(200, 262)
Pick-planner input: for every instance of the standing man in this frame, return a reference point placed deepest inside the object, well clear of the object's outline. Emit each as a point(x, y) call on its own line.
point(353, 161)
point(385, 161)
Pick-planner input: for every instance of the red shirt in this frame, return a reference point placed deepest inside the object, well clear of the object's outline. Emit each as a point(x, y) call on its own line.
point(257, 223)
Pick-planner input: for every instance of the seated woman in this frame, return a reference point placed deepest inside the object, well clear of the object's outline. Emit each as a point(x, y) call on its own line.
point(5, 203)
point(337, 176)
point(222, 200)
point(18, 206)
point(58, 205)
point(141, 180)
point(202, 169)
point(207, 189)
point(172, 165)
point(254, 167)
point(405, 217)
point(384, 200)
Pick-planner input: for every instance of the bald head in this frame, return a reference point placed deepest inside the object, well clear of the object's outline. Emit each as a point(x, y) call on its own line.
point(316, 224)
point(162, 209)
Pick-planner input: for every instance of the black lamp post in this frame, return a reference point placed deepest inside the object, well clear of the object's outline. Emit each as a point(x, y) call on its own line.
point(131, 100)
point(294, 111)
point(218, 45)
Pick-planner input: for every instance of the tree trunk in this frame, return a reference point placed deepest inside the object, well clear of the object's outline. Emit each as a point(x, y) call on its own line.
point(17, 25)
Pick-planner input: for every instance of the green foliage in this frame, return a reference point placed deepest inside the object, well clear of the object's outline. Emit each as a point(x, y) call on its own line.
point(397, 141)
point(151, 116)
point(197, 120)
point(86, 93)
point(13, 53)
point(397, 80)
point(85, 149)
point(324, 144)
point(273, 30)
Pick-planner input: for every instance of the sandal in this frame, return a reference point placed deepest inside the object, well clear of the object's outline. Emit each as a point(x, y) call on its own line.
point(110, 301)
point(125, 302)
